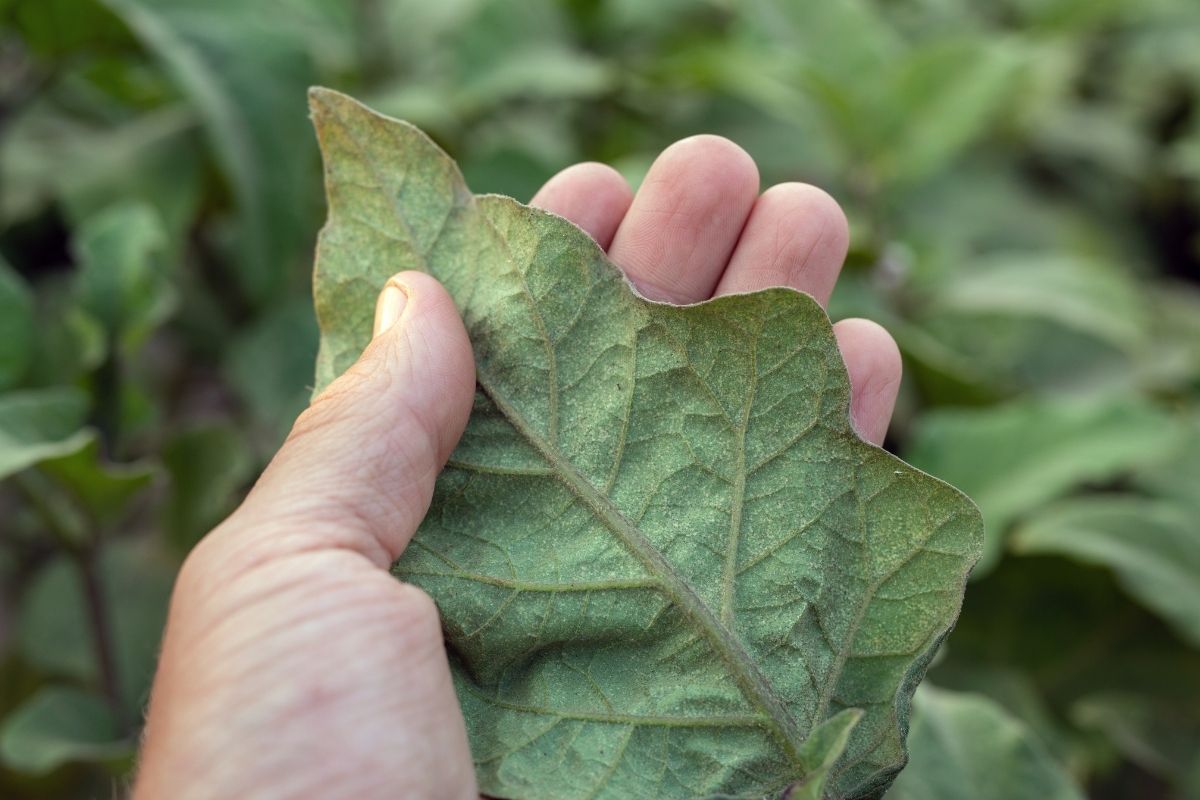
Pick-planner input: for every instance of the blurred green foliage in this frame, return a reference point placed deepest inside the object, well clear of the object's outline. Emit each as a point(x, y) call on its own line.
point(1023, 183)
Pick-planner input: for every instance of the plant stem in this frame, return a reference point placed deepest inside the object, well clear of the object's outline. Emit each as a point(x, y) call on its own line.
point(72, 536)
point(102, 637)
point(108, 400)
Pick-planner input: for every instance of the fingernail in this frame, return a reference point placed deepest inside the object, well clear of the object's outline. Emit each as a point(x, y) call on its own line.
point(389, 306)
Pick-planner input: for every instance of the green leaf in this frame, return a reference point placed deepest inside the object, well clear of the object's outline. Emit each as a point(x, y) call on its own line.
point(52, 153)
point(1162, 738)
point(899, 111)
point(54, 630)
point(1175, 478)
point(208, 465)
point(1089, 637)
point(1089, 641)
point(122, 279)
point(101, 488)
point(62, 27)
point(270, 365)
point(1174, 359)
point(1011, 688)
point(965, 747)
point(1152, 546)
point(944, 97)
point(242, 71)
point(1037, 451)
point(820, 753)
point(1089, 297)
point(846, 40)
point(70, 344)
point(659, 537)
point(40, 424)
point(16, 326)
point(547, 71)
point(59, 725)
point(1032, 355)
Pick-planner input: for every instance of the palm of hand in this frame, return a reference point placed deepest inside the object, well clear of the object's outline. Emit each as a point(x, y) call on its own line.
point(294, 664)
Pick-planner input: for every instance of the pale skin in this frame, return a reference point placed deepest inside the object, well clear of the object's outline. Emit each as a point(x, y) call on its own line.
point(294, 665)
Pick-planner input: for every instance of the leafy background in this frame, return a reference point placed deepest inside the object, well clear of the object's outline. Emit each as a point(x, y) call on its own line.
point(1023, 183)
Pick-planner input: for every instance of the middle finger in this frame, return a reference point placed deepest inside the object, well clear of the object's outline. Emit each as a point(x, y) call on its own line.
point(684, 223)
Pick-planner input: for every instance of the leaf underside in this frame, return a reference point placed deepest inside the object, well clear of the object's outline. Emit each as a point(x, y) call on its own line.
point(662, 556)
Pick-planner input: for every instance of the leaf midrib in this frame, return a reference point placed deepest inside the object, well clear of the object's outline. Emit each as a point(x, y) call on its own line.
point(750, 680)
point(753, 684)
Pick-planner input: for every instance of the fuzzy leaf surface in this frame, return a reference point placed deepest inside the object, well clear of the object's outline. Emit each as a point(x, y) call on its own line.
point(667, 567)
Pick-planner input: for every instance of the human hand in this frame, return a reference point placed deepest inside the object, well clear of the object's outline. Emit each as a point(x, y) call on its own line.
point(294, 664)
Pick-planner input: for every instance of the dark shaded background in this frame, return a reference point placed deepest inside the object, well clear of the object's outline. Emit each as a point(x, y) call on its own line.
point(1023, 183)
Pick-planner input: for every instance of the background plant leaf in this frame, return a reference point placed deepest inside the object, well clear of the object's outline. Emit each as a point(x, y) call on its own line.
point(1037, 451)
point(241, 99)
point(1152, 546)
point(1023, 216)
point(101, 489)
point(274, 388)
point(691, 474)
point(1161, 737)
point(58, 725)
point(16, 326)
point(1091, 298)
point(39, 424)
point(1173, 478)
point(208, 464)
point(52, 155)
point(964, 747)
point(122, 281)
point(54, 633)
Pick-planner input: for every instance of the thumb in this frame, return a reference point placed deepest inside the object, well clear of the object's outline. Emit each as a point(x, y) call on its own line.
point(289, 669)
point(358, 468)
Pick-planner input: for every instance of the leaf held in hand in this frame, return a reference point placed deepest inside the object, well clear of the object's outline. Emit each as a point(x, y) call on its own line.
point(666, 565)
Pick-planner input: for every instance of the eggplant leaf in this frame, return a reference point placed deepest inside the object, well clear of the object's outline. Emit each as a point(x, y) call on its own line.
point(965, 747)
point(59, 725)
point(1152, 546)
point(667, 567)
